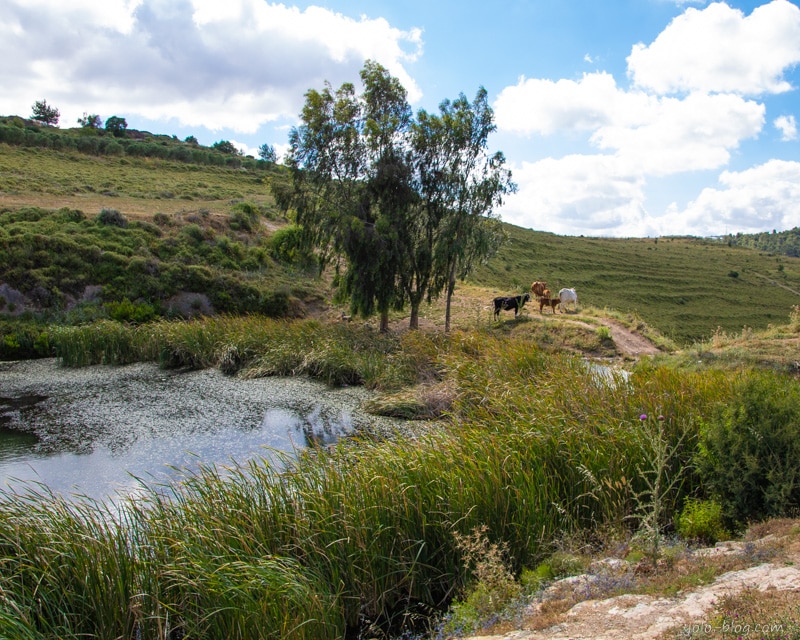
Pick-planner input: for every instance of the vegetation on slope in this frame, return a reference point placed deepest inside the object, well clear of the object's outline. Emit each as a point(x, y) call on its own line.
point(785, 243)
point(687, 288)
point(370, 535)
point(530, 446)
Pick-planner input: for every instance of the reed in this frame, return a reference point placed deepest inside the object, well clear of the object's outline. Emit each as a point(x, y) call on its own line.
point(361, 535)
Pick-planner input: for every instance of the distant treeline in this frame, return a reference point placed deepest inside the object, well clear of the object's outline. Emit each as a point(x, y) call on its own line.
point(786, 243)
point(26, 133)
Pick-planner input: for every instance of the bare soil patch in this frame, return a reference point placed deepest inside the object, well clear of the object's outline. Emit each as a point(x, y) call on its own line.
point(629, 342)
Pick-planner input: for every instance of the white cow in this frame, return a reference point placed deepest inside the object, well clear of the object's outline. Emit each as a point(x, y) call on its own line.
point(566, 296)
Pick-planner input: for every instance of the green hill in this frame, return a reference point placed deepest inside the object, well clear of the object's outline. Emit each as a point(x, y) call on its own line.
point(685, 287)
point(210, 228)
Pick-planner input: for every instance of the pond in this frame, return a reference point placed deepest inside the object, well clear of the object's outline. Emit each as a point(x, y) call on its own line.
point(99, 431)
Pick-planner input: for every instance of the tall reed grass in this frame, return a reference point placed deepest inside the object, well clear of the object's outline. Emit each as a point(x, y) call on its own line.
point(361, 535)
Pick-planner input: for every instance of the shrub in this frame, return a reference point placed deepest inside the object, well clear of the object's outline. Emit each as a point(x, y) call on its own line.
point(701, 520)
point(111, 218)
point(750, 446)
point(275, 304)
point(162, 219)
point(194, 234)
point(244, 216)
point(12, 135)
point(603, 333)
point(794, 318)
point(127, 311)
point(286, 246)
point(114, 149)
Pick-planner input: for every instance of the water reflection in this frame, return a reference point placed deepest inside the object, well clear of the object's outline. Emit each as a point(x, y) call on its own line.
point(16, 445)
point(101, 471)
point(97, 431)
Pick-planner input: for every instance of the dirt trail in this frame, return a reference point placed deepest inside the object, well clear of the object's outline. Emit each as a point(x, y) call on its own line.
point(629, 342)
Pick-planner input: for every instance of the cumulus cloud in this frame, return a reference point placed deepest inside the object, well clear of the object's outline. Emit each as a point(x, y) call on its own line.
point(234, 65)
point(653, 135)
point(764, 197)
point(691, 103)
point(719, 49)
point(787, 126)
point(592, 192)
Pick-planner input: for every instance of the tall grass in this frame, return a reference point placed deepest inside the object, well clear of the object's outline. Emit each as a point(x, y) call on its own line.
point(360, 536)
point(254, 346)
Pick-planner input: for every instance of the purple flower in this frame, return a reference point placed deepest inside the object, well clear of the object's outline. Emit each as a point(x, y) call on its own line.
point(643, 416)
point(660, 417)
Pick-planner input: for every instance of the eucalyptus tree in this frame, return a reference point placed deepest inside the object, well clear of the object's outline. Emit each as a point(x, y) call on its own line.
point(401, 207)
point(348, 168)
point(461, 185)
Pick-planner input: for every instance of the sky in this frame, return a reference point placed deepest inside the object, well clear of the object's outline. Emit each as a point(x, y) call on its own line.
point(618, 118)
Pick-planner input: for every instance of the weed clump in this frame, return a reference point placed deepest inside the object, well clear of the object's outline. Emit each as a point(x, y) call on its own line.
point(493, 588)
point(111, 218)
point(701, 521)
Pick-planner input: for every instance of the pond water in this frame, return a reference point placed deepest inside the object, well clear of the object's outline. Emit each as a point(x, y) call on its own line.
point(101, 431)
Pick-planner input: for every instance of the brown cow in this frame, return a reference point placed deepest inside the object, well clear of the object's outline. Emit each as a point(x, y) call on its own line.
point(537, 288)
point(549, 302)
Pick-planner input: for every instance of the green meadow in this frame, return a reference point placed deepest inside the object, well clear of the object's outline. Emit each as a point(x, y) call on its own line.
point(525, 450)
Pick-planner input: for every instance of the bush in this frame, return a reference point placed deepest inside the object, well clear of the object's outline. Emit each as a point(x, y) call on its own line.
point(286, 246)
point(493, 588)
point(701, 520)
point(244, 216)
point(127, 311)
point(749, 449)
point(111, 218)
point(12, 135)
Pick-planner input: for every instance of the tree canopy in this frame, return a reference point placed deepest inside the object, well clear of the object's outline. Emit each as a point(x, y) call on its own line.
point(44, 113)
point(90, 121)
point(116, 126)
point(401, 206)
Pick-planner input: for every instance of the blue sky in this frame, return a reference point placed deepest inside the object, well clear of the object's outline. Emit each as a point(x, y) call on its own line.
point(625, 118)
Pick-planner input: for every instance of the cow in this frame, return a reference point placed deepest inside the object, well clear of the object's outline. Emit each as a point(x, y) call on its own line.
point(502, 303)
point(566, 296)
point(537, 288)
point(548, 302)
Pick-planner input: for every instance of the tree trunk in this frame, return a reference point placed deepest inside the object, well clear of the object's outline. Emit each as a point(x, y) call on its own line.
point(451, 286)
point(414, 321)
point(384, 322)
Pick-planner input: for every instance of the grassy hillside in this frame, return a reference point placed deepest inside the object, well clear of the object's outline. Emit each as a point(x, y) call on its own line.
point(686, 288)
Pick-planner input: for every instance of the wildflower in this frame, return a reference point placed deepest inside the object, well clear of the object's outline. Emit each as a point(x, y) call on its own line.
point(643, 416)
point(661, 418)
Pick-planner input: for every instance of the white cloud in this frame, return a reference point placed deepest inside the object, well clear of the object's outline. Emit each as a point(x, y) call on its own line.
point(117, 15)
point(233, 65)
point(720, 49)
point(686, 111)
point(787, 126)
point(536, 106)
point(653, 135)
point(763, 197)
point(675, 136)
point(593, 193)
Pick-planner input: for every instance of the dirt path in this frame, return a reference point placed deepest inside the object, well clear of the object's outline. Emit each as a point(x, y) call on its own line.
point(629, 342)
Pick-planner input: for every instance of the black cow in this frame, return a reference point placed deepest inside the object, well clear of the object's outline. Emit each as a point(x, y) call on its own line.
point(512, 302)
